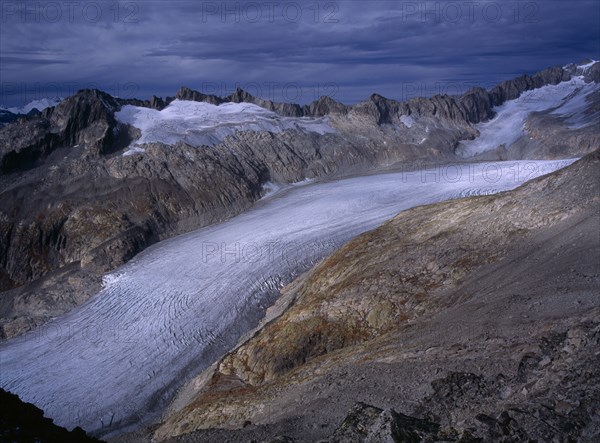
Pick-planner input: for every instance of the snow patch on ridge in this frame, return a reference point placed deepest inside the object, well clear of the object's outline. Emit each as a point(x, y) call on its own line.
point(134, 150)
point(407, 120)
point(205, 124)
point(584, 68)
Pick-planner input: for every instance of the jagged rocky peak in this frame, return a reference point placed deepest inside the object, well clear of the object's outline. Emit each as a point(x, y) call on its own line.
point(326, 105)
point(284, 109)
point(86, 118)
point(241, 96)
point(88, 104)
point(386, 108)
point(445, 108)
point(185, 93)
point(585, 67)
point(379, 108)
point(157, 103)
point(477, 104)
point(154, 103)
point(472, 107)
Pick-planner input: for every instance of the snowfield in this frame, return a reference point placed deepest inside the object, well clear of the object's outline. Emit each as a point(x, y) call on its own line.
point(205, 124)
point(114, 362)
point(566, 99)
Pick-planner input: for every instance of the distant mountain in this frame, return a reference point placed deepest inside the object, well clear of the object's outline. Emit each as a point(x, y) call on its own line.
point(39, 104)
point(9, 115)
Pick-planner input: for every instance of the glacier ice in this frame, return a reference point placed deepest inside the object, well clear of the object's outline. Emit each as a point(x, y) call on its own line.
point(205, 124)
point(566, 99)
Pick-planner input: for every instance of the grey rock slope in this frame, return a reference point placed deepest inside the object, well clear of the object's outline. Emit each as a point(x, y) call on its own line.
point(468, 320)
point(73, 207)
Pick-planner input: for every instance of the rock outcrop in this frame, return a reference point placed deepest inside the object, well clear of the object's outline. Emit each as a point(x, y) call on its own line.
point(366, 423)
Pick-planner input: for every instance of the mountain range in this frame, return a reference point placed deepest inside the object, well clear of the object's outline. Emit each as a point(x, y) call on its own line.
point(426, 306)
point(73, 207)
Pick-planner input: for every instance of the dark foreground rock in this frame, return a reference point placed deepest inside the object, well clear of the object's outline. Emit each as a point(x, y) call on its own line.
point(24, 423)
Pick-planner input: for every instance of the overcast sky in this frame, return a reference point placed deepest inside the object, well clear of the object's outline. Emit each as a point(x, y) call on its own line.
point(285, 51)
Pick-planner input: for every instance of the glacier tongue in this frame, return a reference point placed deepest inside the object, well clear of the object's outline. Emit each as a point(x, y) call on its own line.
point(115, 362)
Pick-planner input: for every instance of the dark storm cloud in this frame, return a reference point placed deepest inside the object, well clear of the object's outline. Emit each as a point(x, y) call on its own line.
point(285, 50)
point(15, 62)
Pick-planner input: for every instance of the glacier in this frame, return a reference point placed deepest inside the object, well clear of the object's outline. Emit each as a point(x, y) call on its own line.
point(205, 124)
point(566, 99)
point(114, 363)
